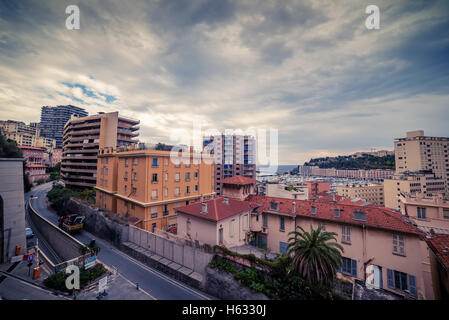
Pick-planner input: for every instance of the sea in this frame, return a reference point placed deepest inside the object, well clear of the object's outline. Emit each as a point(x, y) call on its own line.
point(279, 170)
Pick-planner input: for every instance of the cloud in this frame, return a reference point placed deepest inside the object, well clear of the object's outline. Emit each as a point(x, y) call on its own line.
point(310, 69)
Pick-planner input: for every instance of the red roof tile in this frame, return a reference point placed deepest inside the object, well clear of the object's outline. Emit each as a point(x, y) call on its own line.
point(217, 209)
point(376, 217)
point(239, 180)
point(439, 243)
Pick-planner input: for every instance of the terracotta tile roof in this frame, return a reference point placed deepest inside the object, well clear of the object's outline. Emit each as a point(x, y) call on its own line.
point(217, 209)
point(239, 180)
point(31, 148)
point(376, 217)
point(439, 243)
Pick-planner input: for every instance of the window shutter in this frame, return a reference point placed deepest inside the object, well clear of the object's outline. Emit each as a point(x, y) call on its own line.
point(390, 278)
point(412, 285)
point(381, 278)
point(354, 268)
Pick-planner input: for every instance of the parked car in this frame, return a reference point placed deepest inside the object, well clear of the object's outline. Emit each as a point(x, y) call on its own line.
point(29, 233)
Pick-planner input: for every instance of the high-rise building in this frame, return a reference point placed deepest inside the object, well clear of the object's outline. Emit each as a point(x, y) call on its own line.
point(18, 131)
point(146, 186)
point(234, 155)
point(83, 137)
point(53, 120)
point(419, 152)
point(410, 183)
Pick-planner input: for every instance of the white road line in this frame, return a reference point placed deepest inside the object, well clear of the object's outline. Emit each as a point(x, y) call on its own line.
point(140, 289)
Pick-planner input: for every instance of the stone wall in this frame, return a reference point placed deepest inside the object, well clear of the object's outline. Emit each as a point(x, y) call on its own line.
point(222, 285)
point(105, 225)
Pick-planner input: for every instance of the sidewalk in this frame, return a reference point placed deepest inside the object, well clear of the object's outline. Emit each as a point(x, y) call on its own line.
point(15, 284)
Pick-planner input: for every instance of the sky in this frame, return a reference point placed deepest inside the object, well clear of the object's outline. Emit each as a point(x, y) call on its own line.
point(309, 69)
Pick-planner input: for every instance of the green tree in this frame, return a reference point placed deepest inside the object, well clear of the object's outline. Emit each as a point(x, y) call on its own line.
point(316, 257)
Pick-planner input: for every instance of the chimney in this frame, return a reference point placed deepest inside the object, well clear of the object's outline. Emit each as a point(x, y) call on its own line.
point(226, 201)
point(204, 208)
point(293, 207)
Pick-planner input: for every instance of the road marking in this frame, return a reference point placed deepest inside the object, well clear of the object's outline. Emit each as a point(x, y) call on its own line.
point(140, 289)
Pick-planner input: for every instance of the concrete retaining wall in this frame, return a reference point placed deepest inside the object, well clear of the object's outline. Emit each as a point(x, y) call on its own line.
point(187, 256)
point(62, 243)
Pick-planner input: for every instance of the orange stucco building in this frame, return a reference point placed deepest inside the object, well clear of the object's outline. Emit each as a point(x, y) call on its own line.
point(146, 185)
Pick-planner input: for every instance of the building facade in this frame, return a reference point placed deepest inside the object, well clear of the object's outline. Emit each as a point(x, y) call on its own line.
point(426, 211)
point(12, 212)
point(419, 152)
point(234, 155)
point(372, 192)
point(147, 185)
point(370, 235)
point(84, 137)
point(424, 182)
point(35, 163)
point(53, 120)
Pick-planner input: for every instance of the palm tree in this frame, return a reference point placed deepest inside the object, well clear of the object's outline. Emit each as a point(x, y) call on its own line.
point(315, 257)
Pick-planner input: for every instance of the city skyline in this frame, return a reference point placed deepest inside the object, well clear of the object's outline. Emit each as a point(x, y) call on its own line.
point(311, 70)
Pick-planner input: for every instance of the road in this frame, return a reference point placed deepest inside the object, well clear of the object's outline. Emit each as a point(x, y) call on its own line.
point(155, 283)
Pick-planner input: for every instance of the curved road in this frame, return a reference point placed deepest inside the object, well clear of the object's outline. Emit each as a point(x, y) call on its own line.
point(155, 283)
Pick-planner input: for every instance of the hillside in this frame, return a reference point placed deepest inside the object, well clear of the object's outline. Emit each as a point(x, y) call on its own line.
point(348, 162)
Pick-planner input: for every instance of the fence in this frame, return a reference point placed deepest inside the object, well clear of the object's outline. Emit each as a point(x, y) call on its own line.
point(172, 249)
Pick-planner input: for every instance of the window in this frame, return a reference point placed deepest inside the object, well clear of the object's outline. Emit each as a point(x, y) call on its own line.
point(187, 176)
point(401, 281)
point(196, 188)
point(245, 222)
point(134, 191)
point(132, 206)
point(177, 176)
point(166, 161)
point(359, 215)
point(265, 220)
point(126, 188)
point(126, 176)
point(106, 171)
point(134, 175)
point(177, 191)
point(154, 178)
point(136, 160)
point(154, 194)
point(126, 162)
point(421, 213)
point(166, 192)
point(165, 212)
point(153, 228)
point(346, 234)
point(196, 175)
point(166, 176)
point(187, 190)
point(274, 205)
point(313, 210)
point(445, 214)
point(154, 162)
point(398, 244)
point(349, 267)
point(282, 223)
point(336, 212)
point(232, 225)
point(101, 170)
point(283, 246)
point(154, 212)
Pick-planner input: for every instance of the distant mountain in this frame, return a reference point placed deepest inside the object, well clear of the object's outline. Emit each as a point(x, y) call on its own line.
point(348, 162)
